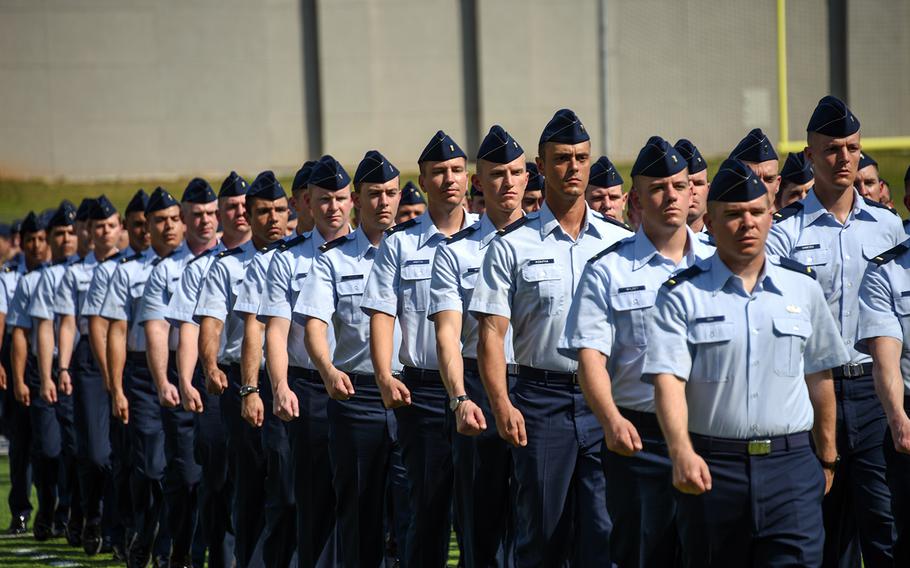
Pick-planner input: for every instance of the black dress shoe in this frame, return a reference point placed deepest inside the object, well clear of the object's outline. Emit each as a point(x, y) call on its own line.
point(162, 562)
point(118, 553)
point(91, 539)
point(181, 561)
point(139, 556)
point(42, 529)
point(18, 525)
point(73, 531)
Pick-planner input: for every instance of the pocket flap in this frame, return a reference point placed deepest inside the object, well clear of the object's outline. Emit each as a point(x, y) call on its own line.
point(350, 286)
point(711, 332)
point(870, 251)
point(902, 304)
point(792, 326)
point(633, 300)
point(540, 272)
point(811, 255)
point(417, 271)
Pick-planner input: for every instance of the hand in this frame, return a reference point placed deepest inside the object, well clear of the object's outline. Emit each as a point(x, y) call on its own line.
point(338, 385)
point(23, 395)
point(621, 436)
point(252, 410)
point(900, 433)
point(469, 419)
point(690, 474)
point(65, 383)
point(216, 381)
point(191, 398)
point(285, 404)
point(48, 392)
point(120, 407)
point(829, 479)
point(511, 426)
point(3, 383)
point(394, 393)
point(168, 396)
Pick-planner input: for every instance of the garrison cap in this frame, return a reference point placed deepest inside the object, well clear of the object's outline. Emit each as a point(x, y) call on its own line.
point(866, 160)
point(410, 195)
point(754, 147)
point(102, 208)
point(735, 182)
point(658, 159)
point(32, 223)
point(329, 174)
point(302, 177)
point(138, 202)
point(85, 208)
point(564, 128)
point(499, 147)
point(46, 215)
point(375, 168)
point(797, 169)
point(440, 148)
point(16, 226)
point(198, 191)
point(831, 117)
point(6, 230)
point(690, 153)
point(160, 199)
point(603, 174)
point(266, 186)
point(535, 179)
point(63, 216)
point(233, 185)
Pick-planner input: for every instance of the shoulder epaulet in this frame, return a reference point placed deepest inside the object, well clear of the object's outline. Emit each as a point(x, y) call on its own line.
point(606, 251)
point(906, 223)
point(872, 203)
point(513, 225)
point(293, 242)
point(686, 274)
point(202, 254)
point(891, 253)
point(329, 245)
point(401, 226)
point(788, 211)
point(467, 231)
point(11, 267)
point(114, 256)
point(791, 264)
point(230, 252)
point(126, 259)
point(611, 220)
point(273, 245)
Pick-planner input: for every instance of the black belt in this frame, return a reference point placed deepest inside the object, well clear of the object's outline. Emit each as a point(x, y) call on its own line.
point(305, 374)
point(543, 376)
point(852, 371)
point(470, 364)
point(415, 374)
point(360, 379)
point(136, 357)
point(645, 421)
point(755, 447)
point(907, 402)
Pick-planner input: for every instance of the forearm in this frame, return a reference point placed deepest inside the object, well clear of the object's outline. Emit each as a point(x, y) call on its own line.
point(448, 352)
point(382, 330)
point(18, 355)
point(187, 353)
point(116, 353)
point(66, 337)
point(317, 345)
point(251, 351)
point(596, 385)
point(45, 350)
point(209, 342)
point(886, 372)
point(673, 412)
point(97, 338)
point(491, 358)
point(156, 351)
point(2, 328)
point(824, 405)
point(276, 352)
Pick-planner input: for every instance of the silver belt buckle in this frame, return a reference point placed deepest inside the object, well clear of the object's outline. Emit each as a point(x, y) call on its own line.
point(759, 447)
point(852, 370)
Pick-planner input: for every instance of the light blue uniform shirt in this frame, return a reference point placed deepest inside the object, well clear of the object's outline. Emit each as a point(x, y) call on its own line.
point(42, 302)
point(73, 289)
point(455, 271)
point(9, 279)
point(285, 277)
point(838, 253)
point(612, 307)
point(182, 304)
point(124, 294)
point(743, 356)
point(163, 282)
point(18, 316)
point(332, 293)
point(399, 285)
point(529, 275)
point(101, 279)
point(884, 304)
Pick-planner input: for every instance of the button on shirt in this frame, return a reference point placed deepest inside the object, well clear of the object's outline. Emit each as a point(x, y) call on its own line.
point(124, 293)
point(744, 356)
point(530, 274)
point(73, 290)
point(455, 271)
point(612, 306)
point(399, 285)
point(838, 253)
point(182, 304)
point(17, 316)
point(332, 293)
point(884, 307)
point(162, 283)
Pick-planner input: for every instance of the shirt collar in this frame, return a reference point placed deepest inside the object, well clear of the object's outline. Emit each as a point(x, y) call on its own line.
point(428, 228)
point(363, 243)
point(644, 250)
point(487, 231)
point(813, 208)
point(721, 275)
point(549, 222)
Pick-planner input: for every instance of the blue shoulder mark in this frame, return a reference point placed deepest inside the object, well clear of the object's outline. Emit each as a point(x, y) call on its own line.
point(611, 220)
point(791, 264)
point(401, 226)
point(788, 211)
point(230, 252)
point(686, 274)
point(892, 253)
point(202, 254)
point(514, 225)
point(290, 243)
point(136, 256)
point(467, 231)
point(872, 203)
point(614, 247)
point(334, 243)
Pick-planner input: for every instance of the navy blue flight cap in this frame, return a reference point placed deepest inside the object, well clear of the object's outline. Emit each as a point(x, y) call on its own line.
point(831, 117)
point(160, 199)
point(604, 174)
point(85, 208)
point(329, 174)
point(32, 223)
point(658, 159)
point(410, 195)
point(302, 177)
point(138, 203)
point(866, 160)
point(535, 179)
point(63, 216)
point(754, 147)
point(440, 148)
point(232, 186)
point(375, 168)
point(564, 128)
point(693, 157)
point(198, 191)
point(499, 147)
point(797, 169)
point(735, 182)
point(266, 186)
point(102, 208)
point(16, 225)
point(6, 231)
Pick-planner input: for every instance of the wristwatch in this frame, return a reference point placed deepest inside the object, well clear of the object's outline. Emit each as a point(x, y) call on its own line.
point(832, 465)
point(454, 403)
point(247, 390)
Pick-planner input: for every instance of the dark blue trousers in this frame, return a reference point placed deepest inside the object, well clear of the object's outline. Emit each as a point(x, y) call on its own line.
point(483, 468)
point(92, 420)
point(762, 511)
point(561, 513)
point(248, 459)
point(216, 488)
point(899, 482)
point(18, 430)
point(397, 507)
point(641, 499)
point(121, 499)
point(312, 471)
point(361, 439)
point(857, 510)
point(427, 455)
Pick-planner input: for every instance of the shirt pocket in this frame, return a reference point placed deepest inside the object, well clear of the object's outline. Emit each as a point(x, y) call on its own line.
point(632, 308)
point(811, 254)
point(711, 340)
point(350, 291)
point(790, 336)
point(545, 283)
point(295, 287)
point(415, 286)
point(467, 282)
point(902, 304)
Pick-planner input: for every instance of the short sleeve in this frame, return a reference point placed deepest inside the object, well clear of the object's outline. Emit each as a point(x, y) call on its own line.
point(116, 300)
point(877, 317)
point(155, 297)
point(42, 300)
point(275, 300)
point(67, 294)
point(445, 294)
point(589, 323)
point(495, 285)
point(97, 291)
point(4, 297)
point(215, 294)
point(382, 287)
point(249, 294)
point(778, 242)
point(317, 295)
point(17, 316)
point(668, 345)
point(182, 304)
